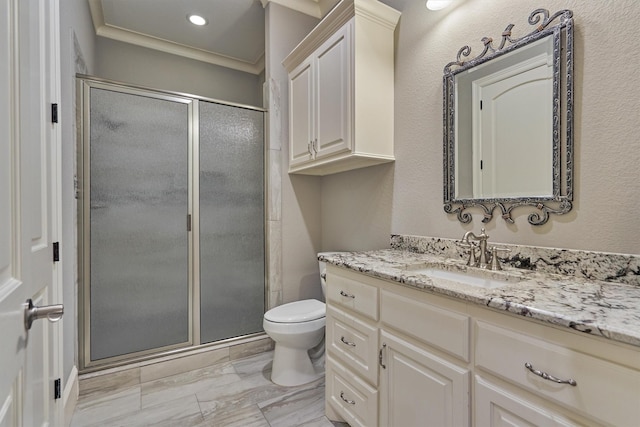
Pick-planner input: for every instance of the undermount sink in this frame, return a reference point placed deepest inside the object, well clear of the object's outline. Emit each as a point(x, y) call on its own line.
point(478, 279)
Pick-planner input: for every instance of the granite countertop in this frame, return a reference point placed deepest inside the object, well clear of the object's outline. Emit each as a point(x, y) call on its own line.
point(606, 309)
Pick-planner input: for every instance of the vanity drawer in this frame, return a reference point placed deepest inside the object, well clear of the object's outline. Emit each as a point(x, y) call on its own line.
point(605, 390)
point(354, 342)
point(354, 295)
point(348, 395)
point(438, 326)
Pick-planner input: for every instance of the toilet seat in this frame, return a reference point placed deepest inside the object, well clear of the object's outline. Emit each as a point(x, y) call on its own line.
point(297, 312)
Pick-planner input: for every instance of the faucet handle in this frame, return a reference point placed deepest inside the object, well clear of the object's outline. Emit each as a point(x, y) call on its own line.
point(472, 253)
point(495, 262)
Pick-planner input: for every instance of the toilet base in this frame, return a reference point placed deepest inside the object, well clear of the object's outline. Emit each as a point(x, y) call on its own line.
point(292, 366)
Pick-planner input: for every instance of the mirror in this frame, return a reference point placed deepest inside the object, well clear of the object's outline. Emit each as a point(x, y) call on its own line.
point(508, 123)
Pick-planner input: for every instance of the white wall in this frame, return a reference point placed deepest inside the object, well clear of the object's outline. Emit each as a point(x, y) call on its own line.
point(355, 205)
point(294, 216)
point(137, 65)
point(75, 23)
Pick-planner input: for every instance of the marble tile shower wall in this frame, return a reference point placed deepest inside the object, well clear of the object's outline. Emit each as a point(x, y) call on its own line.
point(617, 268)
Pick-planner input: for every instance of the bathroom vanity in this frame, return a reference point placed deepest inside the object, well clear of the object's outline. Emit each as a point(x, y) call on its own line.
point(409, 342)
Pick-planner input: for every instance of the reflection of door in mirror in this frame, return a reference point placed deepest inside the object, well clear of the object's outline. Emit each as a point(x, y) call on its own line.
point(512, 135)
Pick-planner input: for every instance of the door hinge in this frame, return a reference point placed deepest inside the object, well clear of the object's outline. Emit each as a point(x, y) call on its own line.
point(57, 392)
point(188, 222)
point(54, 113)
point(56, 251)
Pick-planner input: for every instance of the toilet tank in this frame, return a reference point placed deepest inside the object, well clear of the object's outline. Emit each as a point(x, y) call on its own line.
point(323, 272)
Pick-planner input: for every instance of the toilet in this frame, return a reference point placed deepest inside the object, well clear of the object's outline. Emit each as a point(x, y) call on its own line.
point(296, 328)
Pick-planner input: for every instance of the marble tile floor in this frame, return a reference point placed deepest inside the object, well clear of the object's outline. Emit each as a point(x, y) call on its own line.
point(235, 393)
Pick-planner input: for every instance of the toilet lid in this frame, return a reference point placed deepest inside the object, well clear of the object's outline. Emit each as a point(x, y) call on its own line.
point(296, 312)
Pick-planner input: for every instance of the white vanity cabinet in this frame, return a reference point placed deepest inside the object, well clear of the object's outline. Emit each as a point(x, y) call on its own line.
point(507, 351)
point(398, 356)
point(341, 90)
point(385, 342)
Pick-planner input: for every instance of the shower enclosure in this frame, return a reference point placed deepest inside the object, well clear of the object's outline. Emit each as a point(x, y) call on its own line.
point(172, 246)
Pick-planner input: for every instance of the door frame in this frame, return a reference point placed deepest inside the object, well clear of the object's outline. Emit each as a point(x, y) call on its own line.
point(83, 84)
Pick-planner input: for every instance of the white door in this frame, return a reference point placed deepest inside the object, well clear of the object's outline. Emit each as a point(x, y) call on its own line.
point(516, 133)
point(28, 143)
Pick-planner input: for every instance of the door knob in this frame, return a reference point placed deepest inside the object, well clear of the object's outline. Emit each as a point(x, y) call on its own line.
point(52, 312)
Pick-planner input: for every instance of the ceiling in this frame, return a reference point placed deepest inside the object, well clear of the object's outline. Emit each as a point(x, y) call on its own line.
point(232, 38)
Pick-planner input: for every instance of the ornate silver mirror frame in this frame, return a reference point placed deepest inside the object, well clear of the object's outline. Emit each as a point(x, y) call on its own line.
point(560, 202)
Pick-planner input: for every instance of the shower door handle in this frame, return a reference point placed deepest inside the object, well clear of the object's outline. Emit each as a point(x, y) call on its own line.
point(32, 312)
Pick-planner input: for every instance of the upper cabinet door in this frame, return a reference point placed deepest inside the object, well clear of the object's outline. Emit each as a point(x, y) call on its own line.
point(333, 65)
point(301, 113)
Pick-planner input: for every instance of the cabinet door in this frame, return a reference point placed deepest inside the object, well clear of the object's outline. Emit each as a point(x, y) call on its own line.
point(496, 407)
point(417, 386)
point(301, 113)
point(333, 114)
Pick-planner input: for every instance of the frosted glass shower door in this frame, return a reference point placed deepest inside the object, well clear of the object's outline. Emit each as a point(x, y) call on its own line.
point(138, 192)
point(232, 272)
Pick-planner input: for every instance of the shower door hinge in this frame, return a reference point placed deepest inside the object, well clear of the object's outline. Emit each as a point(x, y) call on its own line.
point(188, 222)
point(57, 386)
point(56, 251)
point(54, 113)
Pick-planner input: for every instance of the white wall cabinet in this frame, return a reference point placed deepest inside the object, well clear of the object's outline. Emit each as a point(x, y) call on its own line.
point(398, 356)
point(341, 90)
point(319, 100)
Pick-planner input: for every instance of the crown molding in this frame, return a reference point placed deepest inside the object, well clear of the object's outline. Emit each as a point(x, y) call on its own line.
point(116, 33)
point(315, 8)
point(368, 10)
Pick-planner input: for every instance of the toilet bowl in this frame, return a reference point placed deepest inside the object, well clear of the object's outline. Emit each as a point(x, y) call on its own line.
point(296, 328)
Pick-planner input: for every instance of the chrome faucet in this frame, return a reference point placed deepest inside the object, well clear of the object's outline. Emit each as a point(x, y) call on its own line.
point(484, 257)
point(487, 257)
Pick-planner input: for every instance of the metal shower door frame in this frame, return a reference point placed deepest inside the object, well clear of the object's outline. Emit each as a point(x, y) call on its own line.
point(84, 84)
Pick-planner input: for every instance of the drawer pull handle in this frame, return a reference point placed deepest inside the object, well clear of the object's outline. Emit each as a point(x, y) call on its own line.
point(549, 377)
point(384, 346)
point(344, 294)
point(349, 343)
point(350, 402)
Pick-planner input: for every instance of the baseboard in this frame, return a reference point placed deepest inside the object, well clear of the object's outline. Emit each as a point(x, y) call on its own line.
point(70, 395)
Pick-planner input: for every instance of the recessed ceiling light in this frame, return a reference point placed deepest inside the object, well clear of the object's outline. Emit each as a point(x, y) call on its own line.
point(197, 20)
point(437, 4)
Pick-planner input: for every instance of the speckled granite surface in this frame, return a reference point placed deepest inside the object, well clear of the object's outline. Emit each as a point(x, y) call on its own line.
point(560, 289)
